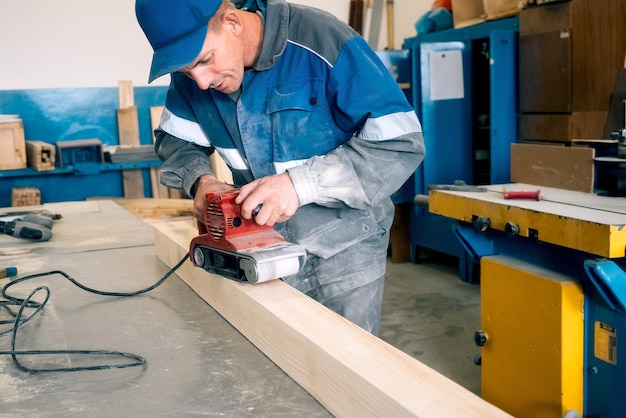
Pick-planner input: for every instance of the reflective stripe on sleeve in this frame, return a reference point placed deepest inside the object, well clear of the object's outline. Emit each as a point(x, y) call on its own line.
point(232, 158)
point(390, 126)
point(183, 128)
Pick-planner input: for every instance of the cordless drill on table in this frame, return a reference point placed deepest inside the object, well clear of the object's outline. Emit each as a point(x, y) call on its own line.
point(31, 226)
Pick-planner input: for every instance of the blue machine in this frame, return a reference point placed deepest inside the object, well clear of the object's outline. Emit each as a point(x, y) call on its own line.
point(464, 87)
point(605, 324)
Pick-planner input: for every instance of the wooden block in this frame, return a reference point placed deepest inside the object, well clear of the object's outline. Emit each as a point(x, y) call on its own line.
point(41, 155)
point(569, 168)
point(349, 371)
point(25, 196)
point(12, 145)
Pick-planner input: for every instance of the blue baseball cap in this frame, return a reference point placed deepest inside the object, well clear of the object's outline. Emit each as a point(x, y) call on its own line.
point(176, 29)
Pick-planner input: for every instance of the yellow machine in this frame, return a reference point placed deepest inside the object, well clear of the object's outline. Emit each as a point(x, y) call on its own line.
point(553, 296)
point(533, 331)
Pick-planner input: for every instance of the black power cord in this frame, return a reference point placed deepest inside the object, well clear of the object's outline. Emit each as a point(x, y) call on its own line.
point(130, 360)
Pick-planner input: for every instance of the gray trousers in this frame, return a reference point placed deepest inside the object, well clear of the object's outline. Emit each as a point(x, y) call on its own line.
point(361, 306)
point(349, 283)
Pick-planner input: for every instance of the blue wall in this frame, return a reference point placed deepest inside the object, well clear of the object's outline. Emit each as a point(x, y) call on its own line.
point(52, 115)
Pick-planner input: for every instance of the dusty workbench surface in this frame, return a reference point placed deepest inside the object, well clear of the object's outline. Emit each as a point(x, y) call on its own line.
point(197, 363)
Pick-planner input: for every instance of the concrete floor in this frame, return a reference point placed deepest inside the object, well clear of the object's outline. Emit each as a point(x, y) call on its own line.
point(430, 314)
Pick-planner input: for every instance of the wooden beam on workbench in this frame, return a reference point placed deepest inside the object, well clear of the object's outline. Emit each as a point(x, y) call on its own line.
point(155, 208)
point(349, 371)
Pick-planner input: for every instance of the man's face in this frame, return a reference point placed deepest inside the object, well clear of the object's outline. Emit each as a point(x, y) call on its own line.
point(220, 64)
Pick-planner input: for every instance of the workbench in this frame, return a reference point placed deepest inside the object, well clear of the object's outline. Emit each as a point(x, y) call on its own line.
point(197, 363)
point(553, 296)
point(280, 354)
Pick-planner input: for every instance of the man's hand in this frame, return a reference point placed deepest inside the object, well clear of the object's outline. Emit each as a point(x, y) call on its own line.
point(277, 195)
point(204, 185)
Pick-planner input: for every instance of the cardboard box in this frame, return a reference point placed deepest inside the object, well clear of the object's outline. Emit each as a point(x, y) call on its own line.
point(498, 9)
point(12, 144)
point(471, 12)
point(468, 12)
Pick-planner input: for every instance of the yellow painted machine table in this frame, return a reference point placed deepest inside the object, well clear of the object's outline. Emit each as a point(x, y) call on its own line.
point(580, 221)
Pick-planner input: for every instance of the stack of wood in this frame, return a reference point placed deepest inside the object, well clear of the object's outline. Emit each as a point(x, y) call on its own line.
point(25, 196)
point(41, 155)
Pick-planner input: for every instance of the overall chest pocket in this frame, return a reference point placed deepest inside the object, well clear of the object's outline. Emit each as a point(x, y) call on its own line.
point(301, 122)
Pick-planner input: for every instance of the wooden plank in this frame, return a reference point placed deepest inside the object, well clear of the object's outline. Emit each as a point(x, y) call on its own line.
point(128, 127)
point(156, 208)
point(126, 94)
point(12, 145)
point(569, 168)
point(400, 236)
point(158, 190)
point(349, 371)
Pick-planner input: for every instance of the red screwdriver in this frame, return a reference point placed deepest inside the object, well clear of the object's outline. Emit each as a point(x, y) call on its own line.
point(535, 195)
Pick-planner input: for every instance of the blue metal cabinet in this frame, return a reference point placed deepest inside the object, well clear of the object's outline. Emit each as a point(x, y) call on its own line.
point(464, 89)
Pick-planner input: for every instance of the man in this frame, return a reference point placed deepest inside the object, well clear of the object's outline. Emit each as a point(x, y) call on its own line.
point(309, 121)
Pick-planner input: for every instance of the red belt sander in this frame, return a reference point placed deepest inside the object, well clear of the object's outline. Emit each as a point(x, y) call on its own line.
point(239, 248)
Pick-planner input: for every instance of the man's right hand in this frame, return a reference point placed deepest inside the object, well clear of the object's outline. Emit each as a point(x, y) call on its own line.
point(204, 185)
